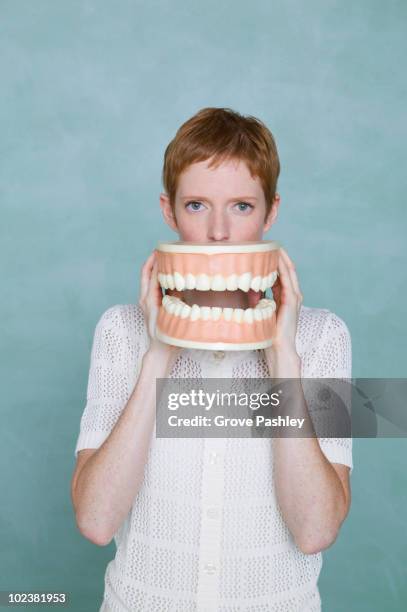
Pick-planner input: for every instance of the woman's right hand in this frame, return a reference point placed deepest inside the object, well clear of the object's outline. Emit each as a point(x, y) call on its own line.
point(150, 302)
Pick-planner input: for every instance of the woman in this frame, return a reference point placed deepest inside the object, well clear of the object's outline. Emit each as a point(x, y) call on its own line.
point(204, 525)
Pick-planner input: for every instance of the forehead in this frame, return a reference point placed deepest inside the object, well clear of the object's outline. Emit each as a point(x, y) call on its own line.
point(229, 176)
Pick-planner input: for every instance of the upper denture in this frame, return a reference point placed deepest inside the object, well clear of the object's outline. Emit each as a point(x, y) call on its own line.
point(213, 259)
point(217, 282)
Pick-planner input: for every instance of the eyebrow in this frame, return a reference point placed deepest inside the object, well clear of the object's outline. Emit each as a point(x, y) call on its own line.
point(237, 198)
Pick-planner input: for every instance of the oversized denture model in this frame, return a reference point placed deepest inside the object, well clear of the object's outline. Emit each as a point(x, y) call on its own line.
point(220, 266)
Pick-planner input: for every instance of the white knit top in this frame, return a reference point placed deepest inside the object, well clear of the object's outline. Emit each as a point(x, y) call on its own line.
point(205, 532)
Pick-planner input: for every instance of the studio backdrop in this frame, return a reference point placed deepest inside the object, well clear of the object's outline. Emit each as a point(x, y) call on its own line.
point(91, 94)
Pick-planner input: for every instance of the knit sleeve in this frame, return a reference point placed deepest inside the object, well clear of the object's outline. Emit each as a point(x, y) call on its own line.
point(115, 357)
point(332, 358)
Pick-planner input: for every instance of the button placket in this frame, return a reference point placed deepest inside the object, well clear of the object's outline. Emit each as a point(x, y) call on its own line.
point(212, 500)
point(211, 529)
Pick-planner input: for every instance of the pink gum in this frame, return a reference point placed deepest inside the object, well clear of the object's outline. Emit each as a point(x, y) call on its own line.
point(215, 331)
point(259, 264)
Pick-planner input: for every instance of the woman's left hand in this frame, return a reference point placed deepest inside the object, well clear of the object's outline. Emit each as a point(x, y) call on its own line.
point(288, 298)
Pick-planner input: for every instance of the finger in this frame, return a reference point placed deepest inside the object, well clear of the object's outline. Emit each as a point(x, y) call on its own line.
point(148, 264)
point(145, 276)
point(285, 278)
point(292, 272)
point(155, 288)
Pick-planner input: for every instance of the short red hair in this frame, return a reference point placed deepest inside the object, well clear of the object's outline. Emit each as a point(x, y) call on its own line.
point(223, 134)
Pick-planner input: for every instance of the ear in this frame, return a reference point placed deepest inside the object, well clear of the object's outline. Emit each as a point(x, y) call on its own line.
point(167, 211)
point(272, 216)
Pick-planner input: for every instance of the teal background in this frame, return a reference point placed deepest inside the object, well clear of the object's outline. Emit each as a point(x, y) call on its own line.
point(91, 94)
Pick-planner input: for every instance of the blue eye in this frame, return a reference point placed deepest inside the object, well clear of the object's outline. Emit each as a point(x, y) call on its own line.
point(193, 208)
point(246, 205)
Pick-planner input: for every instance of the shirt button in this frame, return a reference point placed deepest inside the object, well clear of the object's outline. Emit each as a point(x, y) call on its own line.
point(209, 568)
point(213, 458)
point(212, 513)
point(219, 355)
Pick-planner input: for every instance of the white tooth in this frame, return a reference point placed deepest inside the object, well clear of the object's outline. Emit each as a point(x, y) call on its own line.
point(165, 300)
point(161, 278)
point(261, 308)
point(179, 281)
point(163, 281)
point(231, 282)
point(248, 315)
point(195, 312)
point(227, 314)
point(218, 283)
point(190, 281)
point(202, 282)
point(270, 309)
point(238, 314)
point(273, 278)
point(257, 314)
point(244, 281)
point(178, 308)
point(256, 283)
point(186, 309)
point(171, 306)
point(269, 279)
point(263, 284)
point(205, 313)
point(216, 311)
point(170, 282)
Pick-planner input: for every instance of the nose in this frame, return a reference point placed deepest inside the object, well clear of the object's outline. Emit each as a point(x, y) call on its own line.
point(218, 227)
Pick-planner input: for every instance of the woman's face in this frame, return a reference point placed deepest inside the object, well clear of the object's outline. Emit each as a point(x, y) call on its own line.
point(223, 203)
